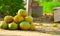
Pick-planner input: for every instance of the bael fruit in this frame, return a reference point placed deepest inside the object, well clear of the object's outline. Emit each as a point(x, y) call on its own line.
point(28, 19)
point(8, 19)
point(18, 18)
point(22, 12)
point(4, 25)
point(55, 25)
point(32, 26)
point(13, 26)
point(24, 25)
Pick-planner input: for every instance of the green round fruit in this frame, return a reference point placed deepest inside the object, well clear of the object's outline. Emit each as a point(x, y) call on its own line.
point(32, 27)
point(18, 18)
point(4, 25)
point(55, 25)
point(13, 26)
point(8, 19)
point(22, 12)
point(28, 19)
point(24, 25)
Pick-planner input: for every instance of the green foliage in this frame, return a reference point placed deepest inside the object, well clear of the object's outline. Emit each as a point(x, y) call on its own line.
point(48, 6)
point(10, 7)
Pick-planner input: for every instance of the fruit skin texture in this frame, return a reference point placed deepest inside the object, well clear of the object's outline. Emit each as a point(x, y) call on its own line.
point(24, 25)
point(29, 19)
point(18, 18)
point(32, 27)
point(13, 26)
point(4, 25)
point(8, 19)
point(22, 12)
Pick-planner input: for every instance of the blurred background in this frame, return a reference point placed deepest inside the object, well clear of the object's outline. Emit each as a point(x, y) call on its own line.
point(11, 7)
point(48, 5)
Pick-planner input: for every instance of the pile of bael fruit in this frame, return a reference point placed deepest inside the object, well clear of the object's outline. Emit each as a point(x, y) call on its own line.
point(21, 21)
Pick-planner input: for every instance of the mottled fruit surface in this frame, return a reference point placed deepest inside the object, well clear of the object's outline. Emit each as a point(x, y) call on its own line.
point(18, 18)
point(22, 12)
point(8, 19)
point(24, 25)
point(32, 26)
point(28, 19)
point(4, 25)
point(13, 26)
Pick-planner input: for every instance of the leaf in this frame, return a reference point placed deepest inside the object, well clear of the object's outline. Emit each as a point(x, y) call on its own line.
point(11, 6)
point(0, 7)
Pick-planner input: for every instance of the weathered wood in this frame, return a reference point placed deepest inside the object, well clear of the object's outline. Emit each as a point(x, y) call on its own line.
point(56, 14)
point(31, 9)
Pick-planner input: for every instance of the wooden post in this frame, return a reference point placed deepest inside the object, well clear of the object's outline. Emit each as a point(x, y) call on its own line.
point(28, 7)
